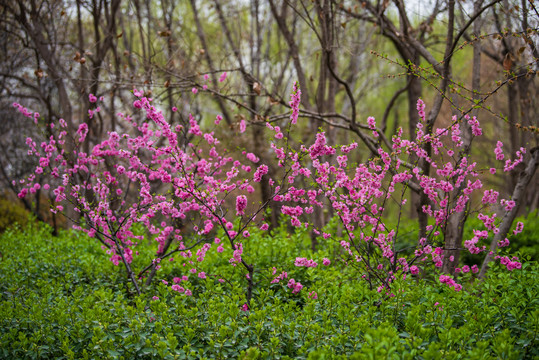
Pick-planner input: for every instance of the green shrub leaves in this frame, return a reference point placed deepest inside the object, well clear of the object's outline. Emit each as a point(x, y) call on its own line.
point(60, 298)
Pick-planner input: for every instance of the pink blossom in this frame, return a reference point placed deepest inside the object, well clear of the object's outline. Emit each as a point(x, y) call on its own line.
point(295, 99)
point(476, 130)
point(498, 151)
point(509, 204)
point(510, 165)
point(178, 288)
point(252, 157)
point(82, 131)
point(371, 122)
point(518, 228)
point(503, 243)
point(304, 262)
point(241, 204)
point(420, 106)
point(260, 171)
point(243, 126)
point(490, 197)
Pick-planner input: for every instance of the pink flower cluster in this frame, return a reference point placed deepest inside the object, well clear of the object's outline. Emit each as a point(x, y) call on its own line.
point(283, 275)
point(510, 165)
point(304, 262)
point(490, 197)
point(295, 99)
point(518, 228)
point(260, 171)
point(508, 204)
point(295, 286)
point(510, 264)
point(466, 269)
point(420, 109)
point(474, 123)
point(498, 151)
point(252, 157)
point(471, 244)
point(236, 256)
point(241, 204)
point(503, 243)
point(444, 279)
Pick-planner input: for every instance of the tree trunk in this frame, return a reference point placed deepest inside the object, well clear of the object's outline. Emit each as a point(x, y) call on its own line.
point(520, 188)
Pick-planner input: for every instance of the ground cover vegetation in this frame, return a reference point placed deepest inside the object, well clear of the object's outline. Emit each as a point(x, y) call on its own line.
point(66, 301)
point(252, 208)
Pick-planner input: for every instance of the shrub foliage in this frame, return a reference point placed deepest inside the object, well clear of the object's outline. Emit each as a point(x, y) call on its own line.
point(58, 302)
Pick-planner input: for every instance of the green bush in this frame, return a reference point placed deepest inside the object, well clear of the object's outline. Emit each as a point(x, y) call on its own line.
point(12, 213)
point(60, 297)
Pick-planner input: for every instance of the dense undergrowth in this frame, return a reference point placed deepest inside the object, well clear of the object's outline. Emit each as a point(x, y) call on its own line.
point(60, 297)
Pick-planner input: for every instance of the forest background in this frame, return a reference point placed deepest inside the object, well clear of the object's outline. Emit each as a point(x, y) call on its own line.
point(351, 60)
point(239, 60)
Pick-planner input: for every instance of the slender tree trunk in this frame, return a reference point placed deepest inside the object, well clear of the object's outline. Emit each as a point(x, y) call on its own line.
point(523, 181)
point(455, 223)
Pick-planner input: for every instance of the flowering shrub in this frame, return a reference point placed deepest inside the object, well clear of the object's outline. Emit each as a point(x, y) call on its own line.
point(359, 196)
point(157, 179)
